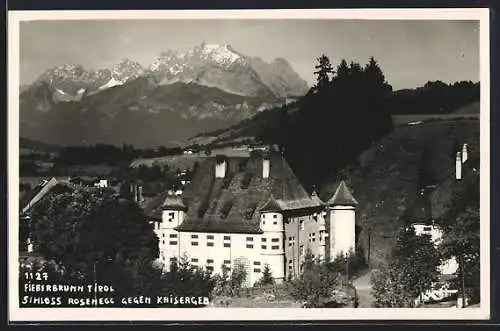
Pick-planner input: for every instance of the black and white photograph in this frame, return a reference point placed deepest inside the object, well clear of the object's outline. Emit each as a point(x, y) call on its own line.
point(284, 164)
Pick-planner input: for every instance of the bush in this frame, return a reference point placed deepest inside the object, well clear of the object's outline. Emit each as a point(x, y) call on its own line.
point(316, 284)
point(267, 276)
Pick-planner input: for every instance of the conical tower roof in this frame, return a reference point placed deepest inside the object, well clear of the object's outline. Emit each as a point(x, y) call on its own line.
point(342, 196)
point(173, 202)
point(271, 205)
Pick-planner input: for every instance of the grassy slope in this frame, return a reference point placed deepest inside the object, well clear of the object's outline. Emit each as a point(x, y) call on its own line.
point(385, 180)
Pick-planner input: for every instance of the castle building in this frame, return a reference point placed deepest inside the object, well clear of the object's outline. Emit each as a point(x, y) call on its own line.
point(251, 211)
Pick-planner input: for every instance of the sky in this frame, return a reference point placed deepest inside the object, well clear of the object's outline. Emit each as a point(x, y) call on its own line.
point(410, 53)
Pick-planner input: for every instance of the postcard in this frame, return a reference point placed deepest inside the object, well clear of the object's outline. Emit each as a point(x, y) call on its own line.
point(242, 165)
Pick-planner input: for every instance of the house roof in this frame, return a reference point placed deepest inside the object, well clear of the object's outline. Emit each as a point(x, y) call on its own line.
point(173, 202)
point(41, 191)
point(228, 205)
point(342, 196)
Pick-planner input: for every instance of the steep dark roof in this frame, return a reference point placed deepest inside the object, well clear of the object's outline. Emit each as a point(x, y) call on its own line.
point(209, 198)
point(342, 196)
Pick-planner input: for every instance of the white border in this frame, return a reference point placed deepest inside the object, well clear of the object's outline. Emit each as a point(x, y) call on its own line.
point(234, 314)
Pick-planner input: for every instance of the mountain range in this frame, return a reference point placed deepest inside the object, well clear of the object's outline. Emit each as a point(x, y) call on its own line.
point(177, 96)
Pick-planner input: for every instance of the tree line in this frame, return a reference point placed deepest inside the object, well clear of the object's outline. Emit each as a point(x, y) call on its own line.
point(343, 114)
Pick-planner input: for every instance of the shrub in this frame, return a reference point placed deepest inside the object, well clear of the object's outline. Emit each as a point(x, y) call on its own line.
point(315, 285)
point(267, 276)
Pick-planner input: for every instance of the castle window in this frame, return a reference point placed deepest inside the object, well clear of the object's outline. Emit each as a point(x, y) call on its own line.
point(427, 228)
point(172, 242)
point(194, 236)
point(227, 262)
point(302, 224)
point(210, 237)
point(210, 268)
point(174, 235)
point(163, 235)
point(163, 242)
point(256, 263)
point(263, 240)
point(194, 260)
point(227, 237)
point(249, 238)
point(263, 247)
point(275, 247)
point(249, 246)
point(275, 223)
point(257, 270)
point(209, 261)
point(210, 244)
point(194, 243)
point(301, 251)
point(275, 216)
point(227, 245)
point(275, 240)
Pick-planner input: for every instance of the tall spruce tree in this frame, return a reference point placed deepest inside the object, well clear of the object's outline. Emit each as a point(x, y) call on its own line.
point(323, 71)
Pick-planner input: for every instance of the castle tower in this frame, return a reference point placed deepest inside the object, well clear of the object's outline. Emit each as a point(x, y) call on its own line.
point(172, 215)
point(272, 239)
point(342, 208)
point(458, 166)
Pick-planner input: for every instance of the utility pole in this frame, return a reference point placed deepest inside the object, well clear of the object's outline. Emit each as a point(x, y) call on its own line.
point(462, 272)
point(95, 285)
point(369, 243)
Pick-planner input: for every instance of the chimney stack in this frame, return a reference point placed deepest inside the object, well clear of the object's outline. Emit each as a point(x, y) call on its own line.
point(465, 153)
point(220, 166)
point(266, 165)
point(458, 166)
point(140, 197)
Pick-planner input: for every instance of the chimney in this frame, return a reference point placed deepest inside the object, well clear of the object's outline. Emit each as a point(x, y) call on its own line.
point(220, 166)
point(458, 166)
point(140, 197)
point(265, 167)
point(465, 153)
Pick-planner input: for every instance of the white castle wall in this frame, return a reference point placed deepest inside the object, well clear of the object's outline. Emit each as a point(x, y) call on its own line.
point(342, 230)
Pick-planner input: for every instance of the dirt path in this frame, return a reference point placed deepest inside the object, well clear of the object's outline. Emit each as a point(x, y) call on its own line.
point(363, 288)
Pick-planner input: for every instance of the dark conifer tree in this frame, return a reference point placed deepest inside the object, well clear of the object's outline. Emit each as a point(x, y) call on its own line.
point(323, 70)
